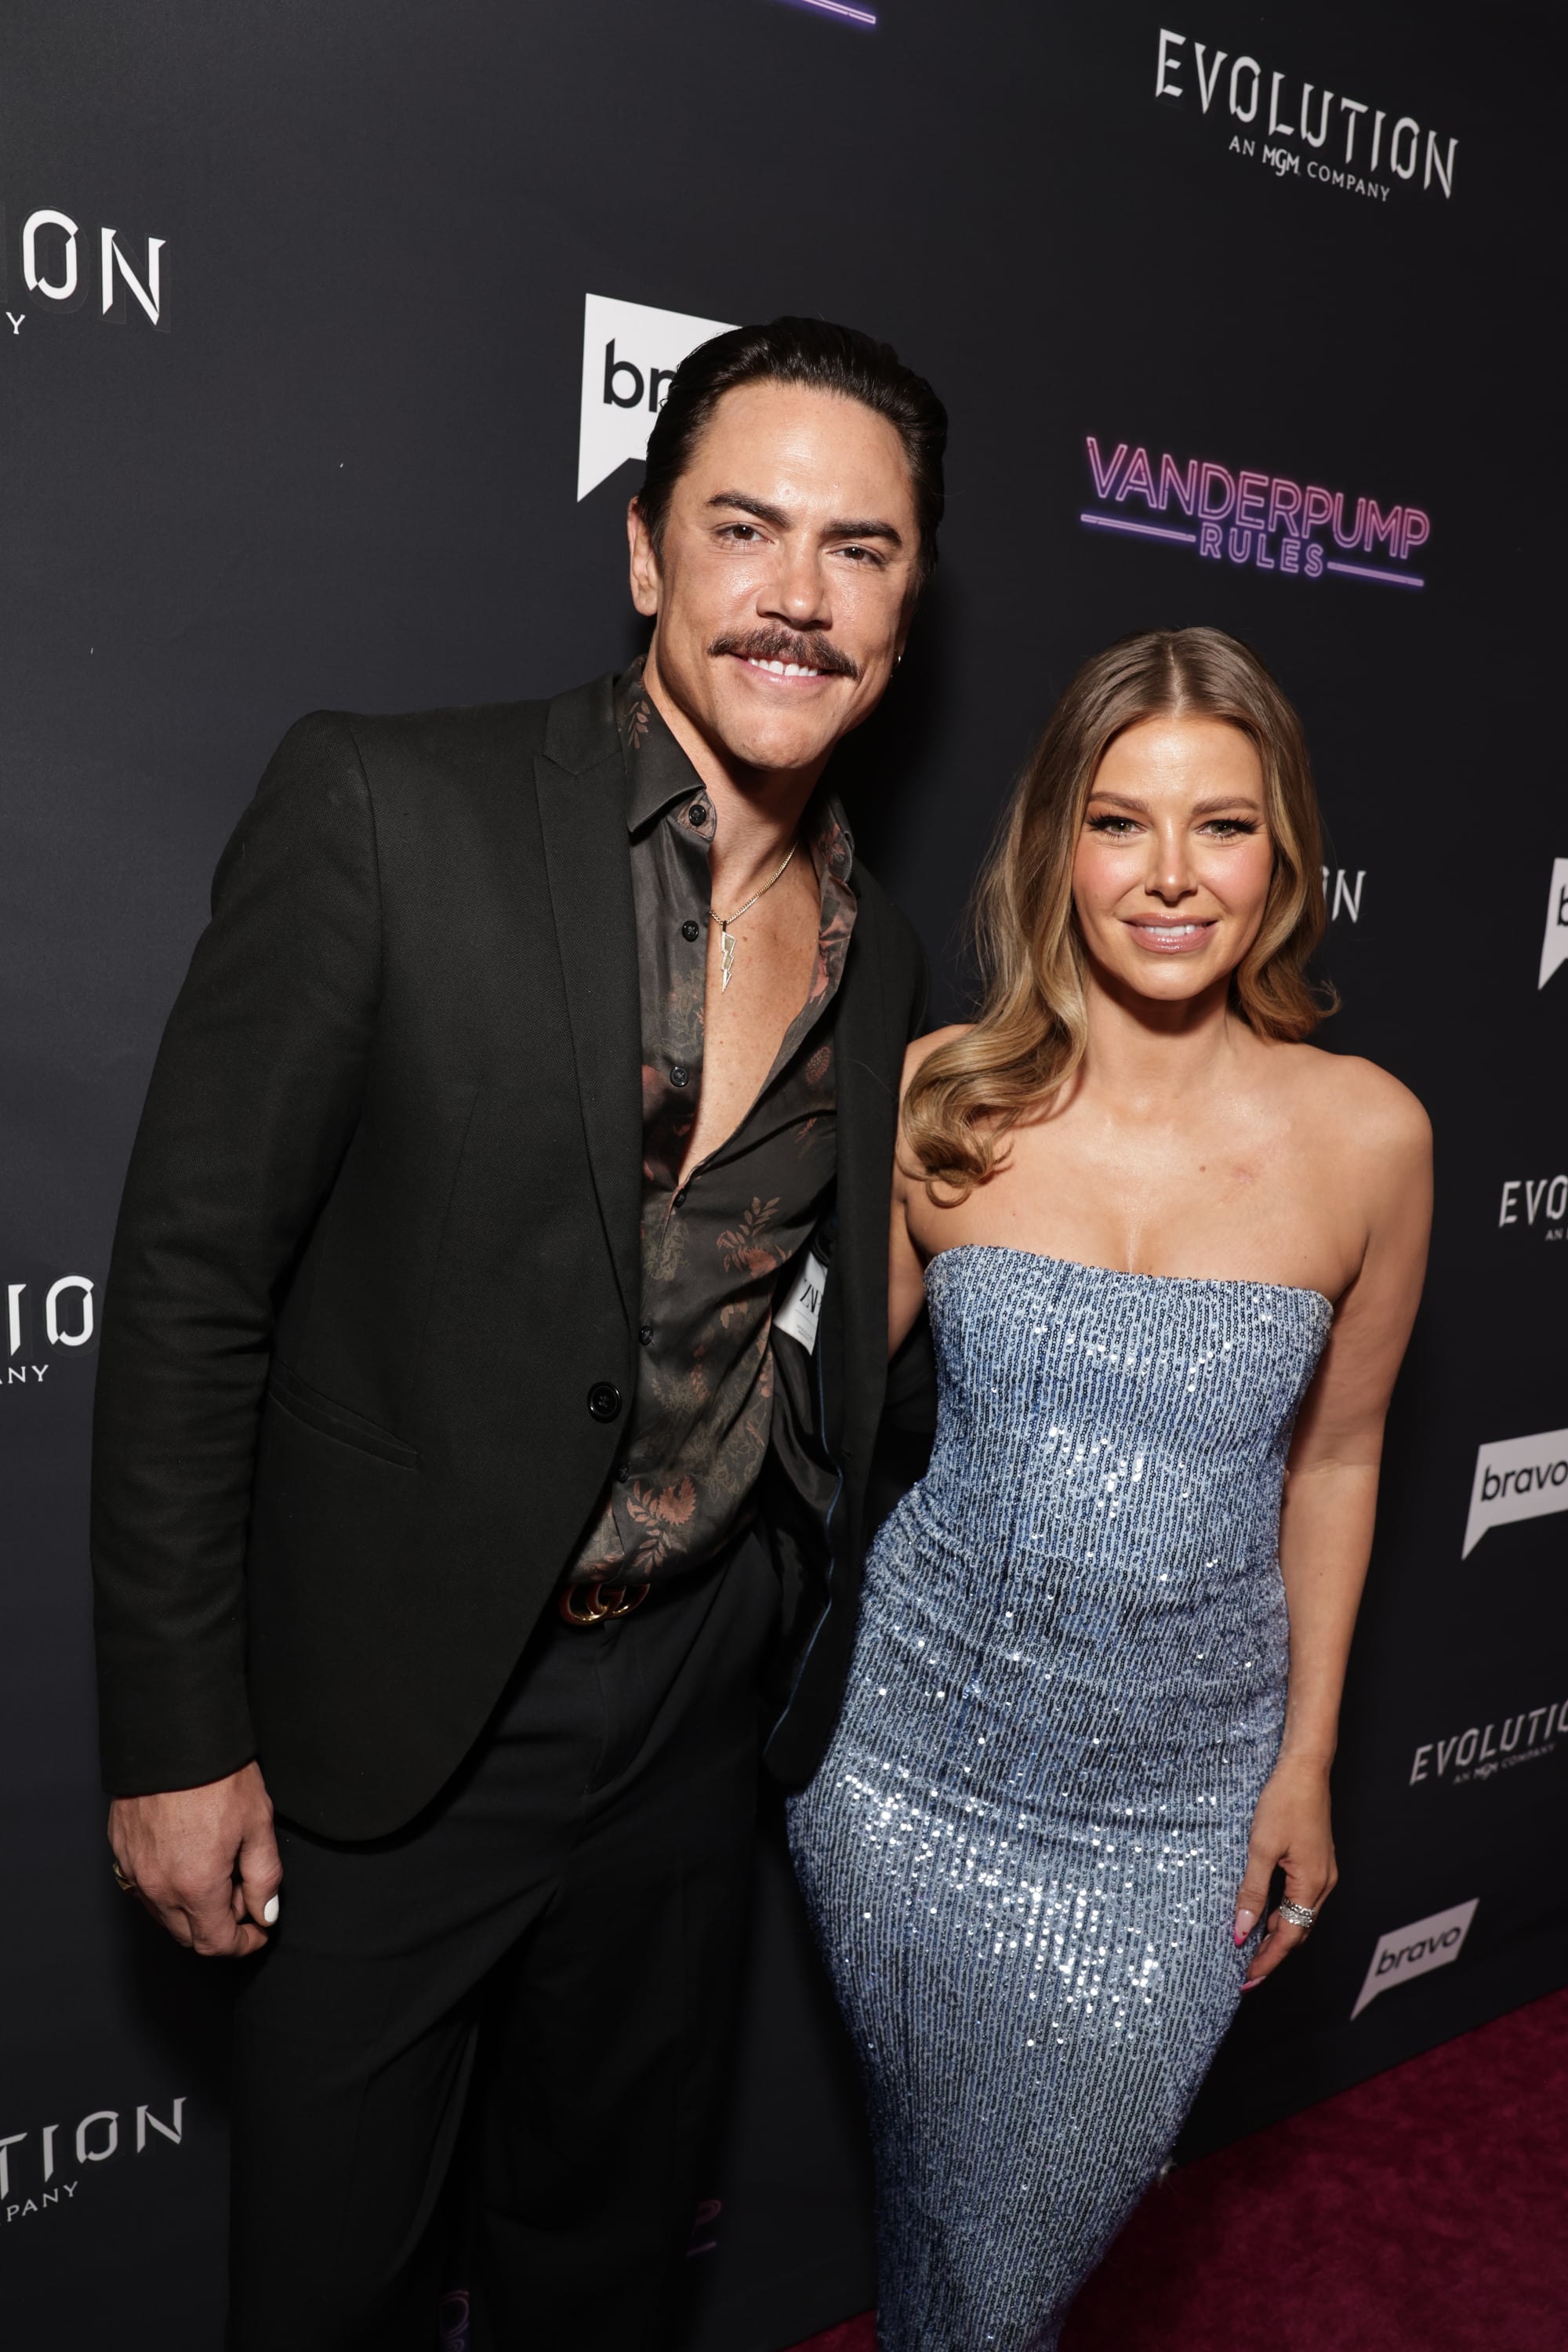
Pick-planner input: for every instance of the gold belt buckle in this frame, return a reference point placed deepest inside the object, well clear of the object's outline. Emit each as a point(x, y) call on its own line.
point(602, 1601)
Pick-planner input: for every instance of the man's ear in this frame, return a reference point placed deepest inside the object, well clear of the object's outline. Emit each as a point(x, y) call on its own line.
point(646, 579)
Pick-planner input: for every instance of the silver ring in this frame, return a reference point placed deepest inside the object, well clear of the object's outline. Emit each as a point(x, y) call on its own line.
point(1296, 1915)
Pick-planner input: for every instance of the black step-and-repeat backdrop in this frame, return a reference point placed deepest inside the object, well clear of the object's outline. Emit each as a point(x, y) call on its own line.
point(329, 340)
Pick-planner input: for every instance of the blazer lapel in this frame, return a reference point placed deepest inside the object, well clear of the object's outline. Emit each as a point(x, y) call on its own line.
point(583, 815)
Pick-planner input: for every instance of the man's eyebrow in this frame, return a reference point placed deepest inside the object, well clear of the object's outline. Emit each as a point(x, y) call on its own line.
point(871, 529)
point(777, 519)
point(757, 507)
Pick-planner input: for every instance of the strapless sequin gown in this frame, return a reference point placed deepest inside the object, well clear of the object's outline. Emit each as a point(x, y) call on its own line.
point(1022, 1850)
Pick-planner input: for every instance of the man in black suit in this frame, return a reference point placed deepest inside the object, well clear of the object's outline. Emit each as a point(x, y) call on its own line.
point(483, 1427)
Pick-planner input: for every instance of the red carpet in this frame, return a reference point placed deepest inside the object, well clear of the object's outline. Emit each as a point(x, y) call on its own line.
point(1423, 2211)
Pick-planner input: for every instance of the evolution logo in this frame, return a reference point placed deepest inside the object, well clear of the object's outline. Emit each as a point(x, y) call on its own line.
point(1341, 895)
point(629, 353)
point(34, 2178)
point(69, 1297)
point(1415, 1951)
point(56, 274)
point(1475, 1754)
point(1180, 77)
point(1519, 1478)
point(1554, 946)
point(1266, 521)
point(1546, 1197)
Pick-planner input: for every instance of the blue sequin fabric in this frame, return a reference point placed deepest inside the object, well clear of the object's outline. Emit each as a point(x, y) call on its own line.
point(1022, 1849)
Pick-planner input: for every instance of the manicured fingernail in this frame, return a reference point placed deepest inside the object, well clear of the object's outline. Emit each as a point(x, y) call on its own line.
point(1253, 1985)
point(1245, 1921)
point(269, 1912)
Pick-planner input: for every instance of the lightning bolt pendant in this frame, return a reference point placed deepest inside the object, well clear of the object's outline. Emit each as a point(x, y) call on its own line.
point(727, 948)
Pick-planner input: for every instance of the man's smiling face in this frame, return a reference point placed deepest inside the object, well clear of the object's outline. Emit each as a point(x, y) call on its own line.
point(785, 578)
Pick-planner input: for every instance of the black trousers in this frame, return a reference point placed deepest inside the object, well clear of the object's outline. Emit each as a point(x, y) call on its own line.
point(540, 1971)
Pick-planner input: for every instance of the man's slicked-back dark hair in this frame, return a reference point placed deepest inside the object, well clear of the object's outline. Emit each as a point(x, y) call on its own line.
point(824, 358)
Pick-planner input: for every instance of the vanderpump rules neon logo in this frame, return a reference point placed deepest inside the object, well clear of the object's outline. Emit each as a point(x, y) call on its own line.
point(1303, 130)
point(1266, 521)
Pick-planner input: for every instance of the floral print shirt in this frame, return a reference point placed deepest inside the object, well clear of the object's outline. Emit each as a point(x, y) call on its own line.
point(719, 1250)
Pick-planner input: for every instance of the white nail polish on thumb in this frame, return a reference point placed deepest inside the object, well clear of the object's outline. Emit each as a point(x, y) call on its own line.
point(269, 1912)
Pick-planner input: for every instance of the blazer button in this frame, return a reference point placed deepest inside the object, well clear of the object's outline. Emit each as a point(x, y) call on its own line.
point(603, 1401)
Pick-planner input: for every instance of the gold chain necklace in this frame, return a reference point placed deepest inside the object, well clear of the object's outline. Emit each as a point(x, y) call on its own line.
point(727, 945)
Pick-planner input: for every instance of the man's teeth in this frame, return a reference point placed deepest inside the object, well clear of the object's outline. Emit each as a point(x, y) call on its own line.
point(781, 670)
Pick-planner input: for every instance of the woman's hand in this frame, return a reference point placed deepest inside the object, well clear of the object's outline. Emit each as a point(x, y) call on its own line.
point(1291, 1831)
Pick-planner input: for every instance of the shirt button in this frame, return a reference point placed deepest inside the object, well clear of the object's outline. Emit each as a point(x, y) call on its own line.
point(698, 813)
point(678, 1199)
point(603, 1401)
point(688, 930)
point(623, 1473)
point(678, 1074)
point(644, 1333)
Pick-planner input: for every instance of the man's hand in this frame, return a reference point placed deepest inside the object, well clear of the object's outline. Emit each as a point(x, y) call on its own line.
point(204, 1860)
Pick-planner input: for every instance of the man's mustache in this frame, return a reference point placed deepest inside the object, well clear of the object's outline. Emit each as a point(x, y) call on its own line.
point(814, 651)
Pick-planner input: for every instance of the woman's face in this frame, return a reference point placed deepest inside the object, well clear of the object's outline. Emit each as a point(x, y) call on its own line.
point(1174, 859)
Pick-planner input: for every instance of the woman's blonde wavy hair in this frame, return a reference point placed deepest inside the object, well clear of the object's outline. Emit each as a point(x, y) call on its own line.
point(1033, 1025)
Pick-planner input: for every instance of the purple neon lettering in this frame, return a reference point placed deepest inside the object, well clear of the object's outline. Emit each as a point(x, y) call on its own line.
point(1380, 526)
point(839, 8)
point(1249, 489)
point(1183, 487)
point(1104, 475)
point(1284, 504)
point(1138, 477)
point(1417, 530)
point(1317, 506)
point(1212, 475)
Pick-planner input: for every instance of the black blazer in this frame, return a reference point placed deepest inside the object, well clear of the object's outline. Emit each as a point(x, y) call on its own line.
point(378, 1250)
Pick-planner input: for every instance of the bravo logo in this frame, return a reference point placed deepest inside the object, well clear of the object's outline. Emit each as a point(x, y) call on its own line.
point(629, 353)
point(1415, 1951)
point(1554, 946)
point(1519, 1478)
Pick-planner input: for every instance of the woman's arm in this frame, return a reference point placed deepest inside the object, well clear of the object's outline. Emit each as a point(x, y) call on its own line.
point(906, 1267)
point(1329, 1506)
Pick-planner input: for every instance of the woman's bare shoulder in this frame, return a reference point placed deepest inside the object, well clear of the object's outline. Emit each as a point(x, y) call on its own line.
point(1355, 1103)
point(922, 1047)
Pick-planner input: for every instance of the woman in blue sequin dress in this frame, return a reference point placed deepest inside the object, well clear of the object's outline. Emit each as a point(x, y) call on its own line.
point(1172, 1256)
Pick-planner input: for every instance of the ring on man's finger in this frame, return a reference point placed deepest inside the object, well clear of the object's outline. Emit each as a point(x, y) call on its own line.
point(1297, 1914)
point(126, 1886)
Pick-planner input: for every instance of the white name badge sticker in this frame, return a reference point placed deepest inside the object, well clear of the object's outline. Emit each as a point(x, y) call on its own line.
point(802, 1310)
